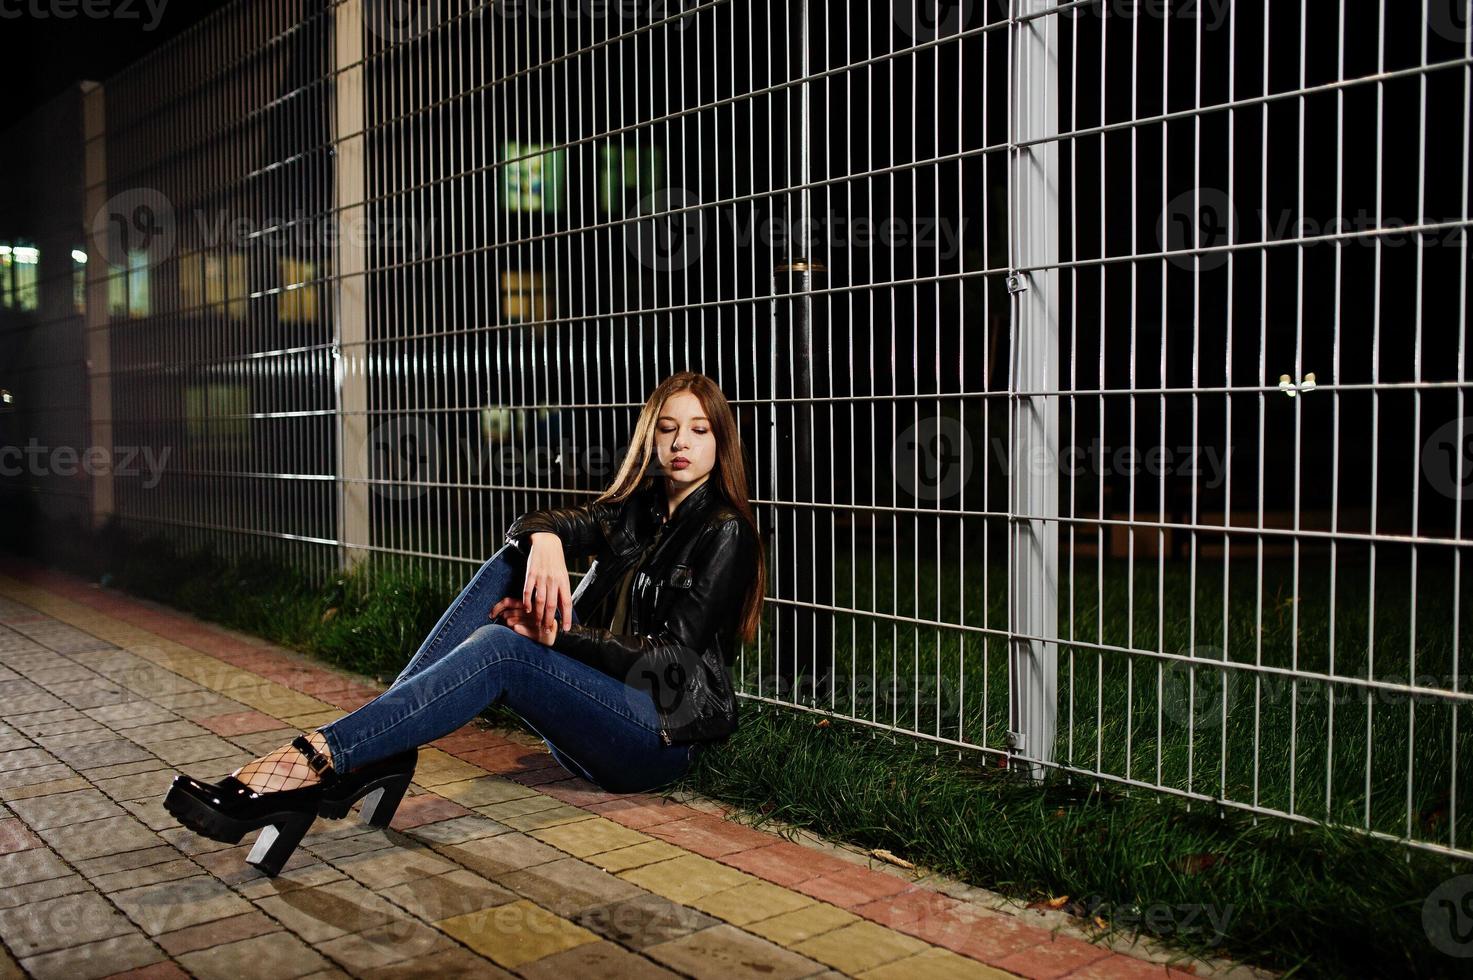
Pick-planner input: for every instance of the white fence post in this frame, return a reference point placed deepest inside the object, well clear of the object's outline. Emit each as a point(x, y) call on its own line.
point(351, 320)
point(1033, 463)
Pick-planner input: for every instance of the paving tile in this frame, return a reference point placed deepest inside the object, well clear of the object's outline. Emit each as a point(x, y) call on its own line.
point(278, 955)
point(423, 808)
point(151, 813)
point(131, 714)
point(216, 933)
point(113, 835)
point(162, 970)
point(96, 959)
point(559, 813)
point(173, 905)
point(94, 755)
point(707, 834)
point(569, 886)
point(644, 921)
point(493, 857)
point(751, 902)
point(935, 964)
point(56, 721)
point(263, 743)
point(15, 836)
point(516, 933)
point(118, 881)
point(239, 723)
point(793, 927)
point(449, 895)
point(600, 959)
point(393, 942)
point(254, 885)
point(70, 920)
point(19, 759)
point(853, 886)
point(164, 731)
point(384, 868)
point(107, 864)
point(13, 896)
point(31, 864)
point(84, 737)
point(450, 964)
point(1053, 958)
point(642, 812)
point(152, 785)
point(484, 791)
point(459, 830)
point(201, 748)
point(590, 836)
point(728, 952)
point(93, 693)
point(363, 839)
point(686, 878)
point(14, 783)
point(326, 912)
point(65, 808)
point(126, 769)
point(67, 784)
point(195, 705)
point(785, 863)
point(859, 946)
point(436, 768)
point(521, 806)
point(229, 865)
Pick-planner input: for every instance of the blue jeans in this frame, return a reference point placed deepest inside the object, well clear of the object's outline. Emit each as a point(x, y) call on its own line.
point(596, 726)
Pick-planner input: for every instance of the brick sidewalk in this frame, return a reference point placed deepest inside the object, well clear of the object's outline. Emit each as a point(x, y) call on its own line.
point(500, 864)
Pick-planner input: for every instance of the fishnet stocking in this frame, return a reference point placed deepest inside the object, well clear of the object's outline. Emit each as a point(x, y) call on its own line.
point(284, 769)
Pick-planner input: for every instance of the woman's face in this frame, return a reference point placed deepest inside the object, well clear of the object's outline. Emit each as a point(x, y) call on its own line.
point(682, 432)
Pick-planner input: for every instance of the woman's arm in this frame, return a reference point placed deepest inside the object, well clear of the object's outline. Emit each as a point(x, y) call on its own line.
point(718, 585)
point(576, 527)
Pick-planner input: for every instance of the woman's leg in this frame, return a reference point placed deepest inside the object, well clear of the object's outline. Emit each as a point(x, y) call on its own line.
point(500, 575)
point(609, 732)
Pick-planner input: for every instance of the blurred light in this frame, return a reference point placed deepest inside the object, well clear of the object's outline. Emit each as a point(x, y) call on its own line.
point(79, 256)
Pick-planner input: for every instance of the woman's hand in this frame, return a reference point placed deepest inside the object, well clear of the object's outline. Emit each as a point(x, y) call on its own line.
point(546, 589)
point(521, 619)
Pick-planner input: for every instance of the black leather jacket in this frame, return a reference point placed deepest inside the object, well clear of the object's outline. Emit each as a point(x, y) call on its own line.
point(684, 605)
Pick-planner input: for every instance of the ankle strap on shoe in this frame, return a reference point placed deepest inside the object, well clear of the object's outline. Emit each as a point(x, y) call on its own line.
point(316, 761)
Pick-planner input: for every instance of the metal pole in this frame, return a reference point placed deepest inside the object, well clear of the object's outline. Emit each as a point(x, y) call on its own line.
point(1033, 608)
point(350, 327)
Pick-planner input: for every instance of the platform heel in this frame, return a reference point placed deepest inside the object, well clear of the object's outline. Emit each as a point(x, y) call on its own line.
point(380, 785)
point(277, 842)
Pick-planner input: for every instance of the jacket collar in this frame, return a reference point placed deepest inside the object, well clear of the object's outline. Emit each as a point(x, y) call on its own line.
point(696, 502)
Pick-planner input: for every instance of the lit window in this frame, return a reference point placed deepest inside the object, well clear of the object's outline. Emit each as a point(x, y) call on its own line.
point(137, 288)
point(523, 297)
point(532, 177)
point(7, 277)
point(297, 301)
point(623, 172)
point(27, 285)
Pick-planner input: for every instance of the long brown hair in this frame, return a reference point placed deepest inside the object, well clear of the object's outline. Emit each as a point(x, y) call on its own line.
point(730, 471)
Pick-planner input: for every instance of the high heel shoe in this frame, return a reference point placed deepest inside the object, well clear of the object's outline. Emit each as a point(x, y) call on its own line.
point(228, 810)
point(381, 785)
